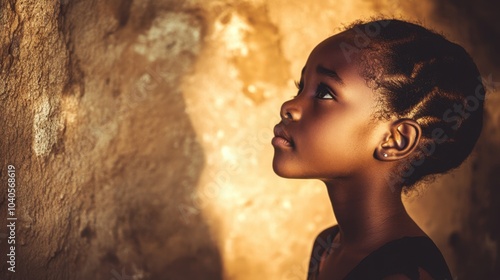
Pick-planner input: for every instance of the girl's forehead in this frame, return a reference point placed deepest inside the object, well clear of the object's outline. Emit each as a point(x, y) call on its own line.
point(336, 46)
point(331, 54)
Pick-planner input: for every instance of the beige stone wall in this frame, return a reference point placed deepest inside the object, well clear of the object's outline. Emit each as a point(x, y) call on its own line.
point(140, 132)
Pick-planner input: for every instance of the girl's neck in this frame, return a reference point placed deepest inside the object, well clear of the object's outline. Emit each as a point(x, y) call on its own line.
point(369, 213)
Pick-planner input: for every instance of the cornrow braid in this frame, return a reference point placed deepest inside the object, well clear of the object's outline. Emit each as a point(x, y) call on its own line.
point(420, 75)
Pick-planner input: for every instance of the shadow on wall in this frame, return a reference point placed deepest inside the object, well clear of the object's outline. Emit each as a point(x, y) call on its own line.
point(101, 199)
point(477, 245)
point(155, 158)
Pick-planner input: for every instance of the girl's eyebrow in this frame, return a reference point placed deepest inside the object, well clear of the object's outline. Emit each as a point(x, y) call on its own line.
point(330, 73)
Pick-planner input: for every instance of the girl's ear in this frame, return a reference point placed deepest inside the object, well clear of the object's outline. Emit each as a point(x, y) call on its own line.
point(403, 138)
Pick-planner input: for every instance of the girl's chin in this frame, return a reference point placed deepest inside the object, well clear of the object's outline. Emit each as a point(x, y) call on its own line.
point(282, 171)
point(290, 172)
point(287, 172)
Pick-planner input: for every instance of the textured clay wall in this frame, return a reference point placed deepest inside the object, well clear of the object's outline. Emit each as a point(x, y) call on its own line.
point(140, 136)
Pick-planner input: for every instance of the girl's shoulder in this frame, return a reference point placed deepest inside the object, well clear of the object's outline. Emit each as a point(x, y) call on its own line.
point(406, 256)
point(321, 244)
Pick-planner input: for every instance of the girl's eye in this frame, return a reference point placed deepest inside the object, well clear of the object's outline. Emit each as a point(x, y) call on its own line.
point(300, 86)
point(324, 92)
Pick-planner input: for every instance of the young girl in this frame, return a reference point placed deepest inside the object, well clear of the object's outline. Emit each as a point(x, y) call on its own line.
point(380, 107)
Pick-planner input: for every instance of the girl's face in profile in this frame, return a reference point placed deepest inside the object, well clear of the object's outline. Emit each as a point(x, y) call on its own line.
point(326, 131)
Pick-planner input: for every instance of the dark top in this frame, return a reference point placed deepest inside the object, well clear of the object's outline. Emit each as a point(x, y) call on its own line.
point(402, 256)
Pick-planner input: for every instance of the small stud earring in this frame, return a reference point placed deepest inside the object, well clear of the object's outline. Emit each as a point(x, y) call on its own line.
point(384, 154)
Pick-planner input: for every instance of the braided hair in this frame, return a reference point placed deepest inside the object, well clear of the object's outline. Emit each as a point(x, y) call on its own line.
point(420, 75)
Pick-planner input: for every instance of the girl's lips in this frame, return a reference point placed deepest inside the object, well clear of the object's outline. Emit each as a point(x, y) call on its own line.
point(278, 141)
point(281, 137)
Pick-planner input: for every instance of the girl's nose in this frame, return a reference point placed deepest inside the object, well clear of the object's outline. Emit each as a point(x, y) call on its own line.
point(290, 111)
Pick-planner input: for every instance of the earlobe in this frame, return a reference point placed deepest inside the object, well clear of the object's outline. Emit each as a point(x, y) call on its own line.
point(403, 138)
